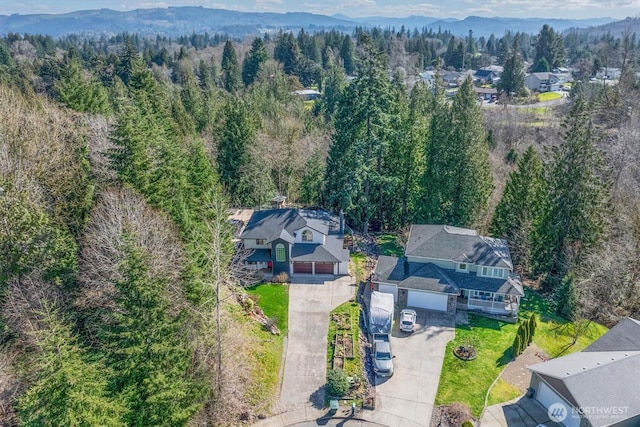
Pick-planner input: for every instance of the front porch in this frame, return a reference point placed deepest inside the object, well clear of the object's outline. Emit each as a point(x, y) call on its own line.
point(489, 302)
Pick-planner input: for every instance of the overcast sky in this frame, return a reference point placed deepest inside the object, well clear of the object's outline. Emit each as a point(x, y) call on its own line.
point(398, 8)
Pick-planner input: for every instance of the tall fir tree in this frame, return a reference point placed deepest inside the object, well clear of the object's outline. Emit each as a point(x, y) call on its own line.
point(512, 80)
point(287, 52)
point(458, 180)
point(230, 68)
point(354, 173)
point(254, 60)
point(574, 218)
point(520, 208)
point(68, 389)
point(549, 45)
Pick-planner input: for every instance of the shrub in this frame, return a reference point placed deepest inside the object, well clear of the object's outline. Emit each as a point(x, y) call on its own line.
point(337, 383)
point(281, 278)
point(467, 424)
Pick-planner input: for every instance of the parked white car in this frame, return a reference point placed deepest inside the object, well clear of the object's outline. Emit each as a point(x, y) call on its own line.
point(407, 320)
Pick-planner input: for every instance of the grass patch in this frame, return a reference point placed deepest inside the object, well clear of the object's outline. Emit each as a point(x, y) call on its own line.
point(358, 263)
point(262, 350)
point(388, 244)
point(273, 299)
point(468, 382)
point(548, 96)
point(502, 391)
point(351, 366)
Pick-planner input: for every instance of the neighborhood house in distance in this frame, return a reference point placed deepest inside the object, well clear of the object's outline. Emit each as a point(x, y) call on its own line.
point(598, 386)
point(296, 241)
point(446, 268)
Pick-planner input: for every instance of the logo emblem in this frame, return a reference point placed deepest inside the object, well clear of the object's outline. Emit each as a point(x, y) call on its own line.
point(557, 412)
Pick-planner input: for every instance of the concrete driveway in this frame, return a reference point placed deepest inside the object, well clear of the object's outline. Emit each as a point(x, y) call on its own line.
point(305, 365)
point(407, 398)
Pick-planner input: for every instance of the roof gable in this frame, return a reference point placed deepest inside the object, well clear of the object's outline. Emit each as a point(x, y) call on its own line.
point(625, 336)
point(457, 244)
point(274, 224)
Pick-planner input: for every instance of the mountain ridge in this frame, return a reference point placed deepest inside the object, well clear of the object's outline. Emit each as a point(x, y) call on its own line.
point(182, 20)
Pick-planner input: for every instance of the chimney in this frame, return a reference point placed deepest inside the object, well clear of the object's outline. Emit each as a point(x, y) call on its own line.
point(341, 223)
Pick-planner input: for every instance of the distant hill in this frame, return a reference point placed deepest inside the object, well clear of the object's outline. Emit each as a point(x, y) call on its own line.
point(176, 21)
point(172, 21)
point(616, 28)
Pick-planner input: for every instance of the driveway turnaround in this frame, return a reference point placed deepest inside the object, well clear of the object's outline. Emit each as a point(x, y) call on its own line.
point(305, 365)
point(407, 398)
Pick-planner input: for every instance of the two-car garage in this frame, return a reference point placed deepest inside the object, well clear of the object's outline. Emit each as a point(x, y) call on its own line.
point(300, 267)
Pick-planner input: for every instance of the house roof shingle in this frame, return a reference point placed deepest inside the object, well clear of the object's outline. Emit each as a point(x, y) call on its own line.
point(457, 244)
point(273, 224)
point(604, 375)
point(412, 275)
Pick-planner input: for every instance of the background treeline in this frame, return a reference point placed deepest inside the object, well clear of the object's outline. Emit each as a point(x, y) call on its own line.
point(119, 157)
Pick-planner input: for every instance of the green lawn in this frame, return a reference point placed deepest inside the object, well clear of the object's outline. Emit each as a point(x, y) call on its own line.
point(548, 96)
point(468, 382)
point(502, 391)
point(389, 246)
point(352, 366)
point(264, 349)
point(358, 261)
point(273, 299)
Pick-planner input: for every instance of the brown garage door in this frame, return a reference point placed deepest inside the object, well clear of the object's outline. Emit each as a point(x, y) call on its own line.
point(324, 268)
point(302, 267)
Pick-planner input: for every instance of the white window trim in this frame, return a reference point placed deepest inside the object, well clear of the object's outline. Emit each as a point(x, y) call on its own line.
point(459, 268)
point(491, 272)
point(307, 233)
point(284, 253)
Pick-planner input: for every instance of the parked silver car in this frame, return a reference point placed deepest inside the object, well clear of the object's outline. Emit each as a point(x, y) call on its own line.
point(382, 358)
point(407, 320)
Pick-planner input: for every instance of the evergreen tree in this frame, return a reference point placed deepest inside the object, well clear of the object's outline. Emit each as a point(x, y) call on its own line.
point(354, 166)
point(287, 51)
point(542, 66)
point(458, 179)
point(78, 92)
point(146, 351)
point(516, 346)
point(347, 55)
point(549, 45)
point(565, 297)
point(68, 389)
point(574, 217)
point(254, 60)
point(521, 206)
point(238, 133)
point(230, 68)
point(312, 185)
point(512, 80)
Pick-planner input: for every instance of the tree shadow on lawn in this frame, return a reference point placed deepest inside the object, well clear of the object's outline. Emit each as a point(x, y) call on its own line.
point(505, 358)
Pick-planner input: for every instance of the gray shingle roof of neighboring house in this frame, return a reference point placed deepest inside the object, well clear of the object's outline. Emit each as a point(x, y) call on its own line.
point(413, 275)
point(484, 73)
point(457, 244)
point(276, 224)
point(625, 336)
point(259, 255)
point(604, 375)
point(430, 277)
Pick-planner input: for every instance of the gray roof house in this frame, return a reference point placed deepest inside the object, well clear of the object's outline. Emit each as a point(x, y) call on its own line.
point(447, 268)
point(542, 82)
point(598, 386)
point(295, 241)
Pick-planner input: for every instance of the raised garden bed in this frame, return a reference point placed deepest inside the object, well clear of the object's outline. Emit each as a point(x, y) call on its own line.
point(343, 346)
point(342, 320)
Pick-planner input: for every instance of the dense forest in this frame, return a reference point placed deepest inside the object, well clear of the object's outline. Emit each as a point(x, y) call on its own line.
point(119, 158)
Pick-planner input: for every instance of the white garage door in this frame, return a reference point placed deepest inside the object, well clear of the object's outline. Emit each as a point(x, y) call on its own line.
point(428, 300)
point(548, 397)
point(389, 289)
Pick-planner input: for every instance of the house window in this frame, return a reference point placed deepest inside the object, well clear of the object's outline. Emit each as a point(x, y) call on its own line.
point(463, 267)
point(487, 296)
point(280, 254)
point(492, 272)
point(307, 236)
point(261, 242)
